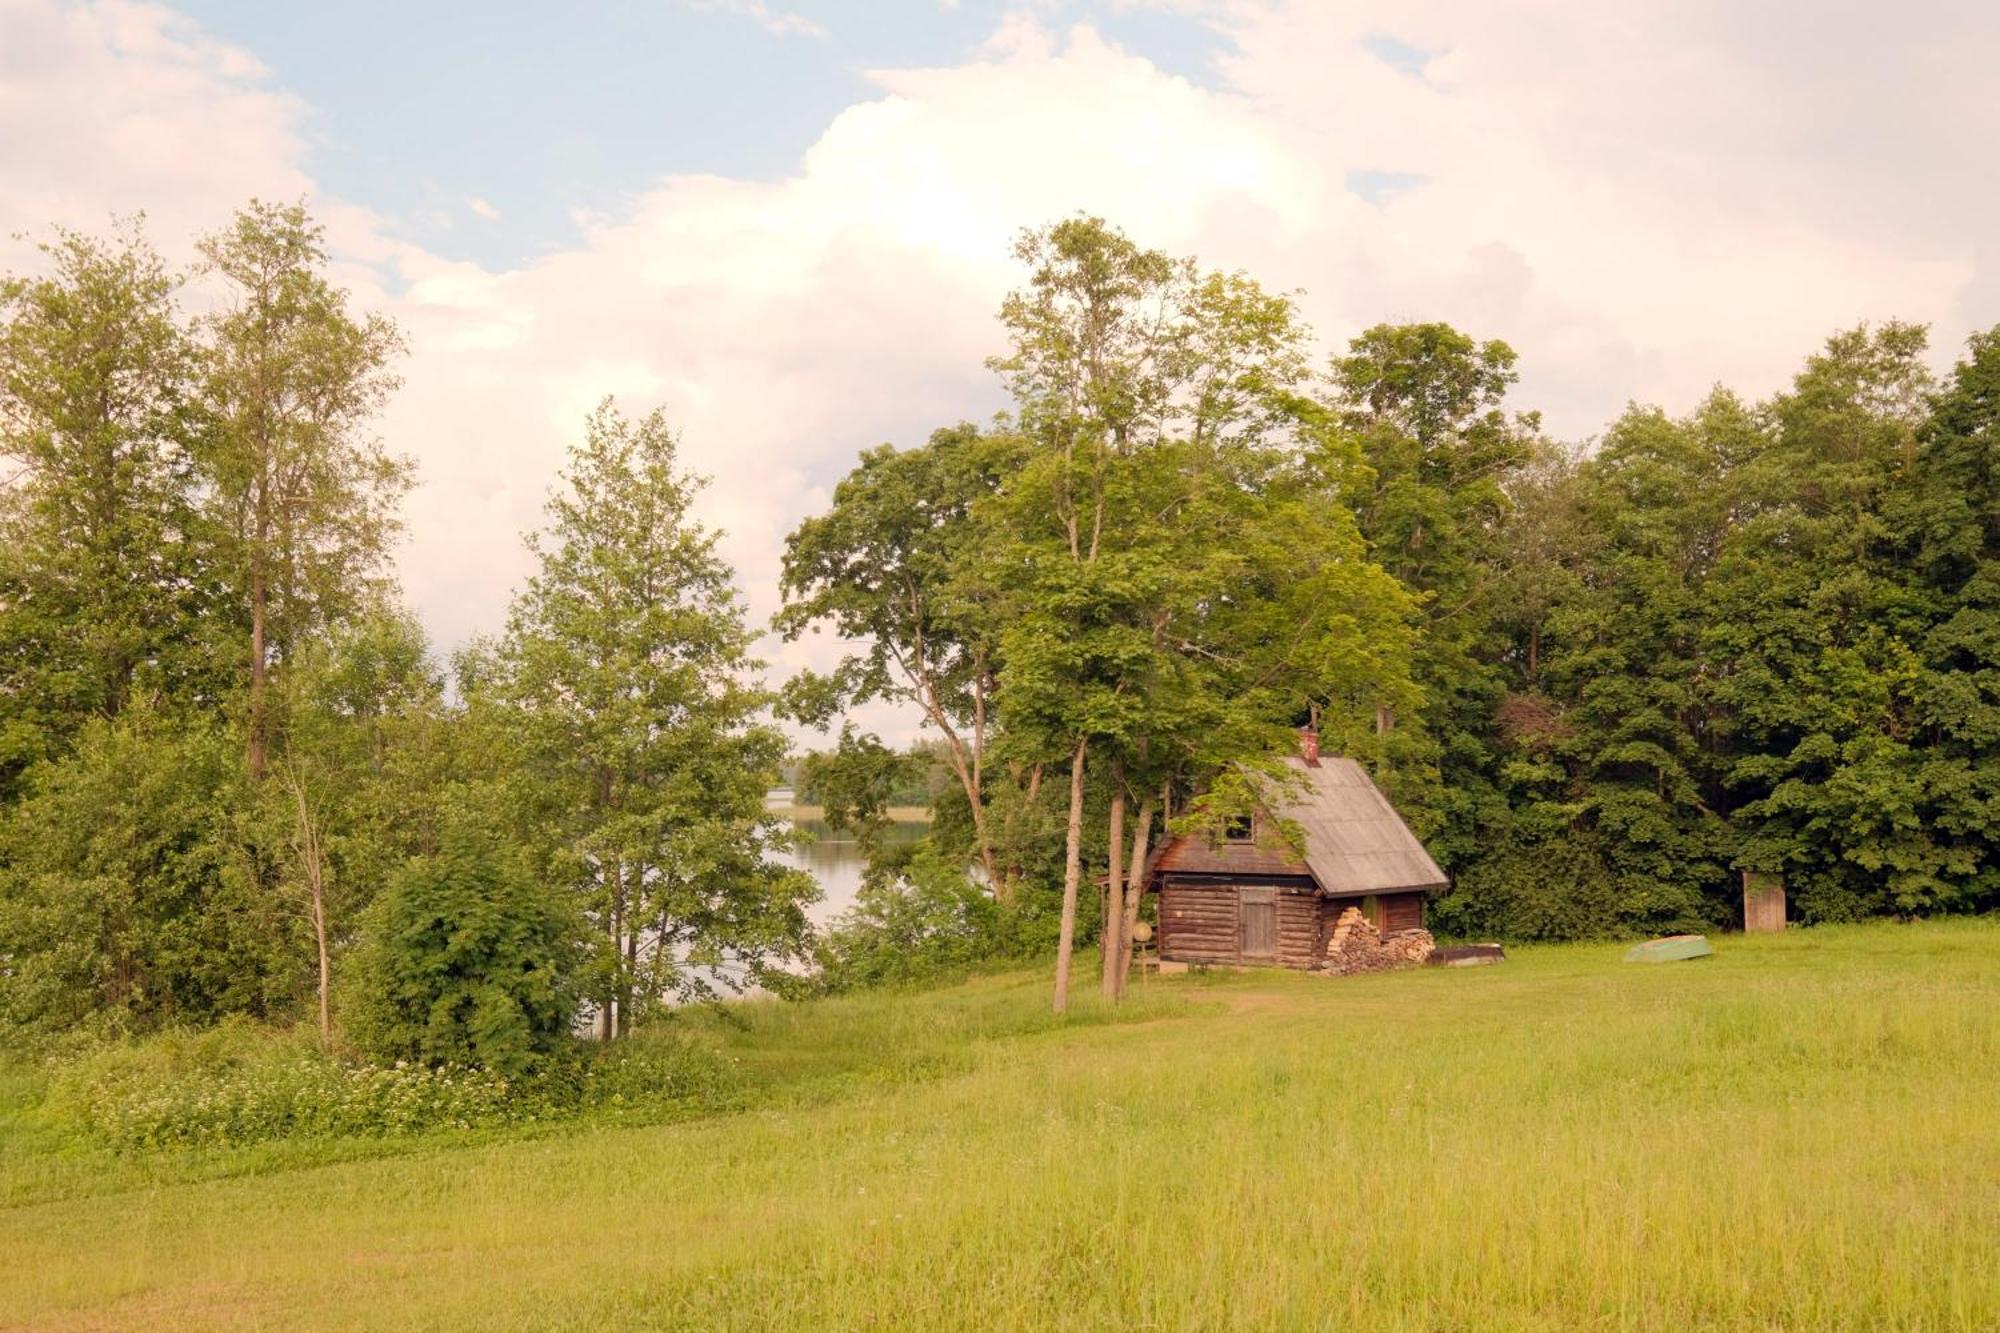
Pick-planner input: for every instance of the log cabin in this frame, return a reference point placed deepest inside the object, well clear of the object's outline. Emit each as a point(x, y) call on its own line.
point(1247, 895)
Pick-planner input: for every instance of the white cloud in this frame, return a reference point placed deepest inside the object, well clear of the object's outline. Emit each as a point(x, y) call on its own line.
point(119, 107)
point(1643, 203)
point(480, 208)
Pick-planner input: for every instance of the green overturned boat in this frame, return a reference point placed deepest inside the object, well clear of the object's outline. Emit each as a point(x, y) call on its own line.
point(1672, 949)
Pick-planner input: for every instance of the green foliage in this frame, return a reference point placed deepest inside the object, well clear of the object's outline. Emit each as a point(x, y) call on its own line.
point(623, 708)
point(1565, 886)
point(239, 1084)
point(1422, 446)
point(857, 781)
point(300, 492)
point(926, 919)
point(117, 907)
point(1750, 639)
point(897, 564)
point(468, 962)
point(103, 594)
point(303, 493)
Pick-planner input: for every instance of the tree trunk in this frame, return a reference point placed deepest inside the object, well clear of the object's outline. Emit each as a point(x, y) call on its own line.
point(971, 782)
point(628, 987)
point(614, 926)
point(1072, 874)
point(976, 793)
point(1135, 888)
point(325, 965)
point(312, 865)
point(1114, 887)
point(256, 758)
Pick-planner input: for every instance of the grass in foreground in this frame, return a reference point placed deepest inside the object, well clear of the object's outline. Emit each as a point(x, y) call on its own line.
point(1803, 1132)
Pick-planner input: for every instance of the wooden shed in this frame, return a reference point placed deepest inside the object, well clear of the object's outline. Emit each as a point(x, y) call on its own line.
point(1246, 895)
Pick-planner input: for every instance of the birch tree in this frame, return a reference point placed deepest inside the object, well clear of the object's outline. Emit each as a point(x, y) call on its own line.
point(305, 499)
point(626, 679)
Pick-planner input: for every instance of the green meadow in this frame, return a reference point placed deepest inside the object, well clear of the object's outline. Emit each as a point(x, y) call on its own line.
point(1802, 1132)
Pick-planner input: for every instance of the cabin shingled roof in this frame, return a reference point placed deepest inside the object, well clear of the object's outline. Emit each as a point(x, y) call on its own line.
point(1355, 842)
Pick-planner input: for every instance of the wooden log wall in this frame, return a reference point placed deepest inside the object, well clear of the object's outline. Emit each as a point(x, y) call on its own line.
point(1199, 923)
point(1203, 923)
point(1298, 929)
point(1394, 911)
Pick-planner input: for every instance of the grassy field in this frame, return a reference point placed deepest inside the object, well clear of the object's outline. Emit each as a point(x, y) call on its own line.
point(1802, 1132)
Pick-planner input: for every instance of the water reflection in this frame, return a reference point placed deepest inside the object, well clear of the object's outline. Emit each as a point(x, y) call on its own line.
point(835, 860)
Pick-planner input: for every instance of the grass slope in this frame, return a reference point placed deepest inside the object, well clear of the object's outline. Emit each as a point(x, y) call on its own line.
point(1803, 1132)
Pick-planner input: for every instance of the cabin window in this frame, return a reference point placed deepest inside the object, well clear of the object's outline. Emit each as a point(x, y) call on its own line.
point(1240, 828)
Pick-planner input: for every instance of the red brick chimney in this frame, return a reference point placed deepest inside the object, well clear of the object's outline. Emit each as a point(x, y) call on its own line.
point(1309, 746)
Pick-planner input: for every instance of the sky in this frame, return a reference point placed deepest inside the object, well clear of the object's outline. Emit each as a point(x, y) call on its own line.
point(786, 222)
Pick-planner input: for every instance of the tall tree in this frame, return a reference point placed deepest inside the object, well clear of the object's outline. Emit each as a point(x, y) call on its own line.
point(1606, 743)
point(1819, 628)
point(625, 675)
point(305, 497)
point(1180, 590)
point(1424, 408)
point(1091, 373)
point(97, 582)
point(359, 776)
point(894, 565)
point(1945, 522)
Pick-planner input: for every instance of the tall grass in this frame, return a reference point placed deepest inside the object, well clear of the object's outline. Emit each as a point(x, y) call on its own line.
point(1802, 1132)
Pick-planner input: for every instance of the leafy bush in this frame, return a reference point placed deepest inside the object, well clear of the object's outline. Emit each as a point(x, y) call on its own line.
point(239, 1084)
point(116, 912)
point(466, 961)
point(924, 920)
point(1561, 888)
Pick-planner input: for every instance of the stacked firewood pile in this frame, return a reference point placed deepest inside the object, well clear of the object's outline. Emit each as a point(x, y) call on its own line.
point(1357, 946)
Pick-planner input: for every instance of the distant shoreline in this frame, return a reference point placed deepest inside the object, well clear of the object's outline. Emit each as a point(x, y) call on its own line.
point(898, 814)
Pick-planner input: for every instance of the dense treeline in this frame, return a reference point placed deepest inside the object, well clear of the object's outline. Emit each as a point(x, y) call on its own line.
point(1603, 681)
point(233, 780)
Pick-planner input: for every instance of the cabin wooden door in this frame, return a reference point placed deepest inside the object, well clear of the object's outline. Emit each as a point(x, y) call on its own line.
point(1259, 918)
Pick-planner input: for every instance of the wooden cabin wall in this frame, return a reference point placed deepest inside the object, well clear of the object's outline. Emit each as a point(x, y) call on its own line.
point(1203, 923)
point(1298, 930)
point(1395, 911)
point(1199, 922)
point(1402, 911)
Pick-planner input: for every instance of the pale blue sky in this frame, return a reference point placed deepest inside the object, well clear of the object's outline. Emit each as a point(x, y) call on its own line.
point(1644, 200)
point(542, 109)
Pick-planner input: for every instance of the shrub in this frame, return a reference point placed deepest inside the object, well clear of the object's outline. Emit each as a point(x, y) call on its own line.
point(239, 1084)
point(115, 911)
point(926, 920)
point(465, 961)
point(654, 1072)
point(1561, 888)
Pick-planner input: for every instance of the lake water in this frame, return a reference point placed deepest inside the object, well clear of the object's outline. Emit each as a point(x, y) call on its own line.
point(835, 860)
